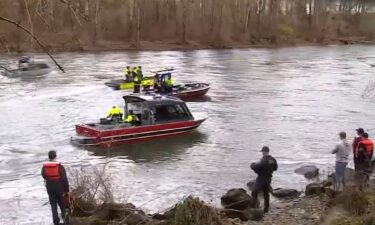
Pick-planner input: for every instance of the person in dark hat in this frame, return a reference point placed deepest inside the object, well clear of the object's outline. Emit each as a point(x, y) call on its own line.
point(57, 185)
point(364, 155)
point(355, 146)
point(264, 170)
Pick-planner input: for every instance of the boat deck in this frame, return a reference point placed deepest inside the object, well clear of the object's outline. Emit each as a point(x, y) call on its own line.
point(112, 126)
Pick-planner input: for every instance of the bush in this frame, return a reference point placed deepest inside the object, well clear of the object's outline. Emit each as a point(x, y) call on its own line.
point(360, 220)
point(192, 211)
point(90, 187)
point(354, 201)
point(286, 30)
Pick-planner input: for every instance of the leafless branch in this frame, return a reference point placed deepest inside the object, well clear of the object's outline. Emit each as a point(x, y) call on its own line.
point(35, 38)
point(74, 12)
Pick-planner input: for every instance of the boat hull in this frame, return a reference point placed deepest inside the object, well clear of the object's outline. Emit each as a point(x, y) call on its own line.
point(107, 138)
point(200, 90)
point(125, 85)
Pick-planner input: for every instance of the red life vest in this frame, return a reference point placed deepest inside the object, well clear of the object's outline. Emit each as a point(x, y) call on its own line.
point(369, 145)
point(52, 170)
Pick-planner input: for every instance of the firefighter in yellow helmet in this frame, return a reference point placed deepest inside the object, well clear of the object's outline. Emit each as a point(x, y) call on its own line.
point(146, 84)
point(131, 118)
point(135, 72)
point(127, 73)
point(168, 85)
point(137, 80)
point(115, 114)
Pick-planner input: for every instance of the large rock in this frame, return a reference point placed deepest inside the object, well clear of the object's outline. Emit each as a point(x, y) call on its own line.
point(136, 218)
point(327, 183)
point(308, 171)
point(285, 193)
point(115, 211)
point(120, 212)
point(330, 192)
point(314, 189)
point(238, 199)
point(233, 213)
point(83, 208)
point(158, 216)
point(244, 215)
point(251, 185)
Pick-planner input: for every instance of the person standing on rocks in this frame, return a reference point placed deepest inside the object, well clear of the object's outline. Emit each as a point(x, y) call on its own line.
point(342, 151)
point(264, 169)
point(364, 155)
point(355, 146)
point(57, 185)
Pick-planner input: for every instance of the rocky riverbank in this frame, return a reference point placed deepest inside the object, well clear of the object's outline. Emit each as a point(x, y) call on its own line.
point(306, 210)
point(320, 204)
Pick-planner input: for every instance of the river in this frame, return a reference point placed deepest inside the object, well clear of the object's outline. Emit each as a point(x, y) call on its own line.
point(294, 100)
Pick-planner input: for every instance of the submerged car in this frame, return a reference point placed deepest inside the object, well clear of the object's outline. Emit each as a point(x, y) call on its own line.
point(27, 67)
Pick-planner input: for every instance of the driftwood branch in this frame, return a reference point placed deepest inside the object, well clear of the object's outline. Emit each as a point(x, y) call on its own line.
point(4, 68)
point(35, 38)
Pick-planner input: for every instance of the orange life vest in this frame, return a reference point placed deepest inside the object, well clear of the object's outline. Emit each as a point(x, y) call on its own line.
point(369, 145)
point(52, 170)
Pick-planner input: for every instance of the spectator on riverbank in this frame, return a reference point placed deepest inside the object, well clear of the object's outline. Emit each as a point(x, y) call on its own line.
point(355, 146)
point(364, 155)
point(264, 169)
point(57, 185)
point(342, 151)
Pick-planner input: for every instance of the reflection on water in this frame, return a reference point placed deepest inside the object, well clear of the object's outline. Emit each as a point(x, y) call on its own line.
point(155, 150)
point(293, 99)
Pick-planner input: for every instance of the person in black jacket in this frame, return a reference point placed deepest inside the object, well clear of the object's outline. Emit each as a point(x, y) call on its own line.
point(57, 185)
point(264, 169)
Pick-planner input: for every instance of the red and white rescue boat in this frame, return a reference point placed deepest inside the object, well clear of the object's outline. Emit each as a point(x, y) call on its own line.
point(156, 117)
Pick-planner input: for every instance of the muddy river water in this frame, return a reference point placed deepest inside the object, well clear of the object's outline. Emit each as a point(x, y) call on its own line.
point(295, 100)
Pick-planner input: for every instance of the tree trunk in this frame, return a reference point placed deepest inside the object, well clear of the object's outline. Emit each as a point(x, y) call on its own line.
point(248, 14)
point(310, 13)
point(184, 12)
point(96, 21)
point(31, 24)
point(138, 25)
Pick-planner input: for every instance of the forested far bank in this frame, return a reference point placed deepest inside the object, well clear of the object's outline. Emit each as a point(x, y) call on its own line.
point(67, 25)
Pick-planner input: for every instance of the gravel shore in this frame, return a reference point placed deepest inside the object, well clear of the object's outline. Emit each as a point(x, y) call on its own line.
point(302, 211)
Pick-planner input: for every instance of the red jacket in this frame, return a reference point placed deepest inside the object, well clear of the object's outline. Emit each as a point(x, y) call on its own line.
point(55, 176)
point(365, 150)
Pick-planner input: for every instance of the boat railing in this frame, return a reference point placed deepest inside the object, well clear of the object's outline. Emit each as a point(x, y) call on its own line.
point(168, 69)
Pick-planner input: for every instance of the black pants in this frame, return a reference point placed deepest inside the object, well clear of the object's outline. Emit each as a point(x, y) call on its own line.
point(56, 198)
point(265, 187)
point(137, 88)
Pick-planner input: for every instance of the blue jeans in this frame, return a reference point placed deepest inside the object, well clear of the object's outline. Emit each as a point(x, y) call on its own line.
point(340, 172)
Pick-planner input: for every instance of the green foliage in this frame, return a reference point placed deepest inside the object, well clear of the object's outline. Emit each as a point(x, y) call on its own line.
point(286, 30)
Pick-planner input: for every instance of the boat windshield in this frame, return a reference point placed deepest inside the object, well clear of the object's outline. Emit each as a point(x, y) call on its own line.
point(136, 107)
point(171, 112)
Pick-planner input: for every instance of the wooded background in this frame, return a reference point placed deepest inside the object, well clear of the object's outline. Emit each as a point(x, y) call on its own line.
point(89, 24)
